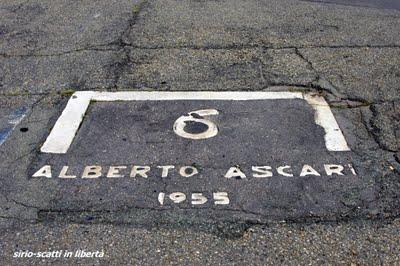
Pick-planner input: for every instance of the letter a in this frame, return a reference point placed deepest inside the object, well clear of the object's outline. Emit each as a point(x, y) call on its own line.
point(235, 172)
point(308, 170)
point(45, 171)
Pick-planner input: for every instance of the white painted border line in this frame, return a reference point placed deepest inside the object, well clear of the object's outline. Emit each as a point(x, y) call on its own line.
point(66, 127)
point(194, 95)
point(334, 139)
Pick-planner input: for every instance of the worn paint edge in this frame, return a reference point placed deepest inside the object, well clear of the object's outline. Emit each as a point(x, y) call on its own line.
point(334, 138)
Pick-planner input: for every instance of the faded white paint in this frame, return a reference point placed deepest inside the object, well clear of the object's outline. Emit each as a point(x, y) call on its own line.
point(161, 197)
point(185, 173)
point(281, 170)
point(65, 129)
point(262, 171)
point(45, 171)
point(147, 171)
point(193, 95)
point(334, 169)
point(220, 198)
point(63, 173)
point(140, 170)
point(334, 139)
point(177, 197)
point(165, 169)
point(114, 171)
point(235, 172)
point(92, 171)
point(198, 199)
point(308, 170)
point(180, 124)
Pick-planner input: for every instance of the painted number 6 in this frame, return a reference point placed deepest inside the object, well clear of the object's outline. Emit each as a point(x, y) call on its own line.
point(196, 117)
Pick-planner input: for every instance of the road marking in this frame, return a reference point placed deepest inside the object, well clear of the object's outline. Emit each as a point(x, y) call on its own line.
point(334, 139)
point(13, 120)
point(66, 127)
point(135, 172)
point(181, 122)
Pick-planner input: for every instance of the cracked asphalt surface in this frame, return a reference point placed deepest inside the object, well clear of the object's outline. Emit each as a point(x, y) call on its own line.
point(347, 52)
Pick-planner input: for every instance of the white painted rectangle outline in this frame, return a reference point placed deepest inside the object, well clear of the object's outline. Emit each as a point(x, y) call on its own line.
point(66, 127)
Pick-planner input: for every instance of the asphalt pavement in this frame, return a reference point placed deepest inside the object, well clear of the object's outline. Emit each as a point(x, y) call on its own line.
point(201, 178)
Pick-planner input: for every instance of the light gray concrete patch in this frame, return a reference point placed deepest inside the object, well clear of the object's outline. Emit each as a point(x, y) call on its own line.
point(141, 133)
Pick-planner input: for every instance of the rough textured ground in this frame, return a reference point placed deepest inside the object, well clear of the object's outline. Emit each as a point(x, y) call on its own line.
point(361, 243)
point(350, 54)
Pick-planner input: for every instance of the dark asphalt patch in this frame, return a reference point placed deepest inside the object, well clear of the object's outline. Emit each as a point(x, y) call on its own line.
point(268, 161)
point(386, 4)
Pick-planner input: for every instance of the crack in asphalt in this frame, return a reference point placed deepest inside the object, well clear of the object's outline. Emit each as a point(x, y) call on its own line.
point(119, 44)
point(377, 131)
point(319, 84)
point(346, 101)
point(99, 48)
point(119, 67)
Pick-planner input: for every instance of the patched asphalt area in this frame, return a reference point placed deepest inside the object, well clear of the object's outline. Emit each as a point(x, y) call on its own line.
point(348, 54)
point(128, 134)
point(251, 134)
